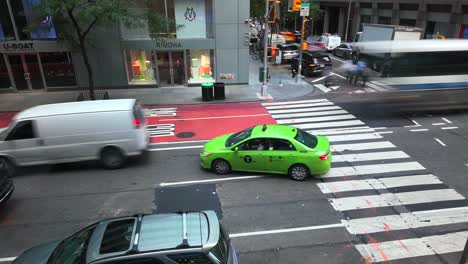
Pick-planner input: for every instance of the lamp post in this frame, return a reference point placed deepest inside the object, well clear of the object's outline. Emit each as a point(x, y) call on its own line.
point(347, 20)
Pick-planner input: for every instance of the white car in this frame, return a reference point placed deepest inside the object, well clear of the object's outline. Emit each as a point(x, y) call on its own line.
point(330, 41)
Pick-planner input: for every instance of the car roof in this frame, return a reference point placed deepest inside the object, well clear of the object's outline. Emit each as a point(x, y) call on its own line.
point(76, 108)
point(274, 131)
point(157, 232)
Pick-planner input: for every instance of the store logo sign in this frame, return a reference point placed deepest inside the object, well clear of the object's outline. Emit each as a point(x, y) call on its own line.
point(190, 14)
point(18, 47)
point(164, 44)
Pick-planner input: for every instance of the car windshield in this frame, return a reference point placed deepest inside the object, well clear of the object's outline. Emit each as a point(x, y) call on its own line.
point(238, 137)
point(73, 249)
point(305, 138)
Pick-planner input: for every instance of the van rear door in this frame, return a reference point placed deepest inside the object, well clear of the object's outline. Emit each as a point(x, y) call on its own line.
point(139, 124)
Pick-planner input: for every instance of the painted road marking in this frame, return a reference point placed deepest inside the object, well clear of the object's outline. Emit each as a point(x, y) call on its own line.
point(414, 247)
point(419, 130)
point(380, 128)
point(447, 128)
point(372, 169)
point(446, 120)
point(297, 106)
point(154, 112)
point(395, 199)
point(319, 79)
point(385, 132)
point(212, 117)
point(336, 74)
point(330, 124)
point(416, 124)
point(354, 137)
point(370, 156)
point(377, 184)
point(402, 221)
point(315, 119)
point(322, 87)
point(302, 110)
point(211, 180)
point(178, 142)
point(376, 87)
point(161, 130)
point(339, 132)
point(363, 146)
point(295, 102)
point(175, 148)
point(327, 113)
point(9, 259)
point(440, 142)
point(286, 230)
point(438, 124)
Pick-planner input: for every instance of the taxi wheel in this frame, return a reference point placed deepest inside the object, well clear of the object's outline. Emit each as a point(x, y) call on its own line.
point(298, 172)
point(221, 167)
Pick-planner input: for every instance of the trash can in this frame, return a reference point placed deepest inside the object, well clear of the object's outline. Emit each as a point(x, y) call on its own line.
point(219, 92)
point(207, 91)
point(260, 74)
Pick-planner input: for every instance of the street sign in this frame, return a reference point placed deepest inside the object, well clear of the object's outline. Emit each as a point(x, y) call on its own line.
point(305, 8)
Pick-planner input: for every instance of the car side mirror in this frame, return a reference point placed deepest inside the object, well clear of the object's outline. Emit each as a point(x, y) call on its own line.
point(235, 149)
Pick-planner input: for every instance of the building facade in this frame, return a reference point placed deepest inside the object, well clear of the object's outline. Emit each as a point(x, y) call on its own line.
point(448, 18)
point(211, 45)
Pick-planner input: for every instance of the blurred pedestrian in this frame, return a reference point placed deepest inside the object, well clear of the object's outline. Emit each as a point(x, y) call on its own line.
point(353, 73)
point(360, 72)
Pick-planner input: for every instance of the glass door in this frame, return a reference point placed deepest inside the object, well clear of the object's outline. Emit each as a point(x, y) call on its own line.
point(171, 67)
point(16, 64)
point(178, 67)
point(164, 68)
point(26, 71)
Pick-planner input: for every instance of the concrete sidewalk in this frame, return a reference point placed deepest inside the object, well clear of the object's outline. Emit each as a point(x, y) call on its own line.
point(281, 87)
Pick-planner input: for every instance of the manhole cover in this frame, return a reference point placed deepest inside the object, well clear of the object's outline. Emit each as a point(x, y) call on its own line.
point(185, 135)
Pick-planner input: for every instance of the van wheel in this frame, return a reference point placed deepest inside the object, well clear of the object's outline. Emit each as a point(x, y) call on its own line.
point(221, 167)
point(112, 158)
point(8, 166)
point(298, 172)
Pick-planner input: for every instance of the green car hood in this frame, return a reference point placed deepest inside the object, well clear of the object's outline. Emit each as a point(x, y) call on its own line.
point(216, 143)
point(322, 144)
point(37, 255)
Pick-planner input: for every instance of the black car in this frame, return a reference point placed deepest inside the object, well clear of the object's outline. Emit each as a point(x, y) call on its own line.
point(6, 184)
point(344, 50)
point(313, 63)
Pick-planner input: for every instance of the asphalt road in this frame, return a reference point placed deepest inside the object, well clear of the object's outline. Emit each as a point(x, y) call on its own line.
point(297, 222)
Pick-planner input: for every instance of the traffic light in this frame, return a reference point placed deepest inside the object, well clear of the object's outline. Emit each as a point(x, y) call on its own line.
point(296, 6)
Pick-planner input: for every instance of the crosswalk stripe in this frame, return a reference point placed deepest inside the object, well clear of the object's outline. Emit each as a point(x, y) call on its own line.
point(295, 102)
point(376, 87)
point(370, 156)
point(327, 113)
point(297, 105)
point(377, 184)
point(407, 220)
point(372, 169)
point(330, 124)
point(394, 199)
point(315, 119)
point(352, 137)
point(414, 247)
point(362, 146)
point(303, 110)
point(322, 87)
point(344, 130)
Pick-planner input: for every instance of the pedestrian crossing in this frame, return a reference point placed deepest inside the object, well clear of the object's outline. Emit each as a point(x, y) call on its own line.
point(370, 87)
point(390, 202)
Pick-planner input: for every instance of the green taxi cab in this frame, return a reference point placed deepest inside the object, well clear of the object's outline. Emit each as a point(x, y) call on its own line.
point(277, 149)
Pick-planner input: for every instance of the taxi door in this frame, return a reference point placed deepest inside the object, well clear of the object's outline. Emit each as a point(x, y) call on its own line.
point(250, 155)
point(281, 156)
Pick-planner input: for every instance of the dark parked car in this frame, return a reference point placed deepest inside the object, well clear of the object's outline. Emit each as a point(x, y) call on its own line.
point(195, 237)
point(344, 50)
point(6, 184)
point(313, 63)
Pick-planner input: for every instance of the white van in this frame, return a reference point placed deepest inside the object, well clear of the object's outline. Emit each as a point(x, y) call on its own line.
point(105, 130)
point(330, 41)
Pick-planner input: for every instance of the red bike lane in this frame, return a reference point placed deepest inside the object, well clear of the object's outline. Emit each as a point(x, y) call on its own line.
point(173, 123)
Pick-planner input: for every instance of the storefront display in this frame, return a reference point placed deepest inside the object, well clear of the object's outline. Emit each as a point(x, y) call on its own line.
point(200, 62)
point(58, 69)
point(140, 67)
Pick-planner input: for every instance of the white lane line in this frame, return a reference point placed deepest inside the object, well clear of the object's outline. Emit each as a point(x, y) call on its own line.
point(380, 128)
point(376, 87)
point(363, 146)
point(415, 123)
point(330, 124)
point(448, 128)
point(175, 148)
point(446, 120)
point(286, 230)
point(212, 117)
point(414, 247)
point(438, 124)
point(297, 106)
point(370, 156)
point(331, 132)
point(372, 169)
point(319, 79)
point(315, 119)
point(334, 87)
point(163, 184)
point(302, 110)
point(9, 259)
point(178, 142)
point(385, 132)
point(295, 102)
point(322, 87)
point(370, 90)
point(419, 130)
point(336, 74)
point(440, 142)
point(335, 58)
point(417, 219)
point(395, 199)
point(342, 129)
point(327, 113)
point(353, 137)
point(377, 184)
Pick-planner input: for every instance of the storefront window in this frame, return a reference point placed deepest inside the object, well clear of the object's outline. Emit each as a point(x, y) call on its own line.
point(200, 64)
point(6, 28)
point(58, 69)
point(4, 78)
point(45, 28)
point(140, 67)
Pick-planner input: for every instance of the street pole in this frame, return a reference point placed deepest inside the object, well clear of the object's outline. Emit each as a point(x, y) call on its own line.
point(299, 67)
point(264, 91)
point(347, 21)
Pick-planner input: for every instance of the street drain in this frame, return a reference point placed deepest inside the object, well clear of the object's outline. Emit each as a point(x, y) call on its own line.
point(185, 134)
